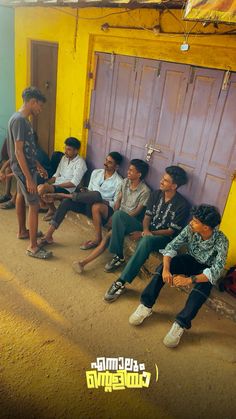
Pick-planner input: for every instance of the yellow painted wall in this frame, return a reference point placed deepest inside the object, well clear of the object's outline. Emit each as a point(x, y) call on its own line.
point(78, 39)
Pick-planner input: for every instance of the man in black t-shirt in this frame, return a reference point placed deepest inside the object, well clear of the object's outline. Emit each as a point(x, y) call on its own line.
point(166, 214)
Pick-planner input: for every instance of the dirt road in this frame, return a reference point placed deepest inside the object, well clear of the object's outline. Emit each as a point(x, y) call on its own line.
point(54, 323)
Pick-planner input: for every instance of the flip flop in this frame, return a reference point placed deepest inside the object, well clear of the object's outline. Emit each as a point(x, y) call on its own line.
point(48, 217)
point(39, 234)
point(88, 245)
point(39, 254)
point(7, 205)
point(44, 242)
point(78, 267)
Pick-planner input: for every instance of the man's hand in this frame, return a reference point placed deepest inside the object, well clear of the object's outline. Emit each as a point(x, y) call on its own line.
point(136, 235)
point(43, 173)
point(83, 189)
point(31, 186)
point(181, 281)
point(167, 276)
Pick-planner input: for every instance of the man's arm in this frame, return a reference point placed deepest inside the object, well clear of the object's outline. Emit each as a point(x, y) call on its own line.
point(118, 202)
point(3, 169)
point(66, 185)
point(164, 232)
point(136, 211)
point(19, 151)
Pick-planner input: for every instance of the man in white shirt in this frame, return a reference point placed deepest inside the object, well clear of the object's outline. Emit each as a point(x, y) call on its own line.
point(98, 199)
point(69, 174)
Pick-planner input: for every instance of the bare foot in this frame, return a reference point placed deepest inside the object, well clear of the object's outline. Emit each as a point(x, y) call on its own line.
point(78, 267)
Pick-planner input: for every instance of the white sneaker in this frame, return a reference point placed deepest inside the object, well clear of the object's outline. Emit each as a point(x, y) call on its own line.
point(139, 315)
point(171, 340)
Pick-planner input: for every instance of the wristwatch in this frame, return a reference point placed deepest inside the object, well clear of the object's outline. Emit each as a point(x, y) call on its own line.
point(193, 279)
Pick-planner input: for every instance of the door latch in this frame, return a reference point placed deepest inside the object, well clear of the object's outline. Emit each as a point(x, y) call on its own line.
point(150, 150)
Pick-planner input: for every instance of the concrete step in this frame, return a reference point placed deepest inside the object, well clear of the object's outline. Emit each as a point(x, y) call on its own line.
point(222, 302)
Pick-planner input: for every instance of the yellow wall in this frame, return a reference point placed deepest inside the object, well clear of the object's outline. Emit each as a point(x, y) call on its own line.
point(75, 59)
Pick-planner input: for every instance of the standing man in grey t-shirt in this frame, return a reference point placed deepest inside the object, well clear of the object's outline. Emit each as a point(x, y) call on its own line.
point(22, 153)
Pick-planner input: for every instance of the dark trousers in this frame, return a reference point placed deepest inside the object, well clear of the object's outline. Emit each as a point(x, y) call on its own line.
point(186, 265)
point(83, 203)
point(65, 206)
point(145, 246)
point(122, 225)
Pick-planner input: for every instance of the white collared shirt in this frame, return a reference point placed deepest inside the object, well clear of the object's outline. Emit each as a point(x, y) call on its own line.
point(70, 171)
point(109, 188)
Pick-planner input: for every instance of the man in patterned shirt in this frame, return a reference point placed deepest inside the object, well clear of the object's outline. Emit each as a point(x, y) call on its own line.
point(202, 266)
point(166, 214)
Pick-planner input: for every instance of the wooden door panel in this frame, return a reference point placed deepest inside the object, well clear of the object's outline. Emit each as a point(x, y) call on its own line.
point(99, 111)
point(220, 155)
point(197, 118)
point(120, 107)
point(168, 107)
point(44, 76)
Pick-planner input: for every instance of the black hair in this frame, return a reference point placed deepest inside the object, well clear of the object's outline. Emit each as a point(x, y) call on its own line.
point(73, 142)
point(141, 166)
point(207, 214)
point(116, 156)
point(179, 176)
point(33, 93)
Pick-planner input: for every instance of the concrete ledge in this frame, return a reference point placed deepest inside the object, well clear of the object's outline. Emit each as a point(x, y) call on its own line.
point(221, 302)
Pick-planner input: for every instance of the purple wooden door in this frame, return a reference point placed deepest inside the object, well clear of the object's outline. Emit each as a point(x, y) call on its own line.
point(179, 111)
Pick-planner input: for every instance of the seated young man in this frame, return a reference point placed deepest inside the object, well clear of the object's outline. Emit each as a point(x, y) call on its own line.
point(166, 214)
point(103, 188)
point(132, 199)
point(201, 266)
point(69, 174)
point(8, 201)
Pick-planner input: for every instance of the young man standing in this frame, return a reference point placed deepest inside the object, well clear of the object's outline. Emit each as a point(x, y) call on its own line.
point(201, 266)
point(165, 216)
point(69, 174)
point(22, 153)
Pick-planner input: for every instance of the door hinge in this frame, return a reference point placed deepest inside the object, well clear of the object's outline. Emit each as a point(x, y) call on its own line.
point(226, 79)
point(90, 75)
point(87, 124)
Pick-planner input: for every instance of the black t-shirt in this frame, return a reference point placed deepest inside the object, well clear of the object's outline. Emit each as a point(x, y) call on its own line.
point(172, 214)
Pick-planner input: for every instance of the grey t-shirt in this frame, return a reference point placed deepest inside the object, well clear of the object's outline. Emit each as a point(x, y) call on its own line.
point(20, 129)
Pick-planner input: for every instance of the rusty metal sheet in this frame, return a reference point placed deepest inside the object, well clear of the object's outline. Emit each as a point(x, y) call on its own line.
point(174, 4)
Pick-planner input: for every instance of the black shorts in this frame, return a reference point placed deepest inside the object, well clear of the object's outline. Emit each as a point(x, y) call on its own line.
point(30, 199)
point(58, 189)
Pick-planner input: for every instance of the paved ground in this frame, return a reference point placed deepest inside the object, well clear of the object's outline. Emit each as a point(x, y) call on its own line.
point(54, 323)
